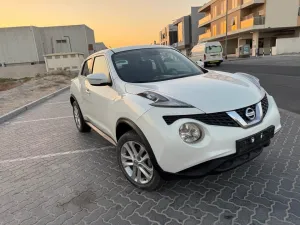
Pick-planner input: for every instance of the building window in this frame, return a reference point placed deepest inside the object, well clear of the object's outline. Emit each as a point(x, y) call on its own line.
point(180, 32)
point(74, 67)
point(223, 7)
point(49, 57)
point(234, 4)
point(67, 68)
point(73, 56)
point(223, 27)
point(214, 30)
point(61, 41)
point(90, 47)
point(299, 11)
point(59, 68)
point(65, 56)
point(57, 57)
point(215, 11)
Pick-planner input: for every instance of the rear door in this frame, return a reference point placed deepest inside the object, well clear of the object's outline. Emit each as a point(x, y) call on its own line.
point(87, 69)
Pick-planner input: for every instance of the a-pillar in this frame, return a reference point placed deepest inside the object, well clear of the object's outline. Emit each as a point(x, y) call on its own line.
point(255, 42)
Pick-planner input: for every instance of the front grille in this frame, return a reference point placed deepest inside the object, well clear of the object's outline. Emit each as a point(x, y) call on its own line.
point(242, 112)
point(219, 119)
point(265, 105)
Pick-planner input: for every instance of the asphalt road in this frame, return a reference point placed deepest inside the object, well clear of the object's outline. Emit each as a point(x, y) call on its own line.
point(280, 76)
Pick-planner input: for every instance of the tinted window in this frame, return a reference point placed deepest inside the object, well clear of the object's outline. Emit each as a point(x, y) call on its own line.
point(213, 49)
point(100, 66)
point(153, 64)
point(87, 68)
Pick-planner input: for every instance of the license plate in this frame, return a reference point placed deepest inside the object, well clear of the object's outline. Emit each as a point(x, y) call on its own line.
point(255, 141)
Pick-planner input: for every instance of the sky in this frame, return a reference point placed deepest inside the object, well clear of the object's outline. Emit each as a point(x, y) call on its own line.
point(115, 22)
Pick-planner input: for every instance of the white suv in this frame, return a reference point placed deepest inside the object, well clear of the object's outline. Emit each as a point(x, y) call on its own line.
point(168, 116)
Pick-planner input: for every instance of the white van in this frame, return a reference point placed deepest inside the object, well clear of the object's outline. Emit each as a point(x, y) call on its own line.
point(207, 53)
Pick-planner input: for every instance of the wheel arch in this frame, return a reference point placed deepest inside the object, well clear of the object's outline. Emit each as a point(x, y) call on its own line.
point(127, 123)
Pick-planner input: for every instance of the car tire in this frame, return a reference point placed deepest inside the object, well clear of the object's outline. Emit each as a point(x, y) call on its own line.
point(137, 178)
point(78, 118)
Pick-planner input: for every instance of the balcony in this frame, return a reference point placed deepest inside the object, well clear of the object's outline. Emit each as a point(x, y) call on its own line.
point(251, 3)
point(204, 20)
point(252, 21)
point(205, 35)
point(234, 27)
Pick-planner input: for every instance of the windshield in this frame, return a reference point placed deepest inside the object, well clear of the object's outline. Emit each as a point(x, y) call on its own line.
point(213, 49)
point(153, 64)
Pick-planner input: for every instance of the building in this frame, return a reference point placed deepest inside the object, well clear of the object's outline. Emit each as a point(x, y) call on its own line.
point(168, 35)
point(185, 32)
point(258, 23)
point(19, 45)
point(64, 61)
point(99, 46)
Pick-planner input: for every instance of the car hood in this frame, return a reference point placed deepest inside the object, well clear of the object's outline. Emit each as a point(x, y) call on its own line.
point(210, 92)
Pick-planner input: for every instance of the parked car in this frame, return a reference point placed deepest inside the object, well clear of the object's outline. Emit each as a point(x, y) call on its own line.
point(207, 53)
point(167, 116)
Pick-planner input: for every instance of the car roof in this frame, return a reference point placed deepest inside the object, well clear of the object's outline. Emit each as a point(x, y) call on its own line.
point(128, 48)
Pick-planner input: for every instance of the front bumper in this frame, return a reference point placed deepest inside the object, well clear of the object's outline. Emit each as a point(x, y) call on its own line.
point(173, 155)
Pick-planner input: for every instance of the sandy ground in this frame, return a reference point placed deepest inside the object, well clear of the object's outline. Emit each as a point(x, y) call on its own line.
point(30, 91)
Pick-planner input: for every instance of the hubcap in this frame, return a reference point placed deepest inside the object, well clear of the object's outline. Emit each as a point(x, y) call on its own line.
point(136, 162)
point(76, 116)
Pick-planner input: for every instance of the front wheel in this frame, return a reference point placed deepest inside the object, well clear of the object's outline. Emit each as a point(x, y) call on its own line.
point(79, 121)
point(135, 162)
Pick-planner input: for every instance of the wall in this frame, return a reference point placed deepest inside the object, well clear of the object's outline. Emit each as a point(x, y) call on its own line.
point(287, 45)
point(17, 45)
point(21, 71)
point(63, 62)
point(79, 39)
point(195, 17)
point(279, 13)
point(90, 37)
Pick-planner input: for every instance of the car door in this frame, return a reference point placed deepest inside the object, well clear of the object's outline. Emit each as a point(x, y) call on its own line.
point(102, 98)
point(87, 69)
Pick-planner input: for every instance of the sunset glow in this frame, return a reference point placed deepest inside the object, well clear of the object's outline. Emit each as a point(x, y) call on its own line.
point(115, 22)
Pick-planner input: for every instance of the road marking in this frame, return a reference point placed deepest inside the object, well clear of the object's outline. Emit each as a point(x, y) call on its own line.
point(54, 103)
point(55, 154)
point(44, 119)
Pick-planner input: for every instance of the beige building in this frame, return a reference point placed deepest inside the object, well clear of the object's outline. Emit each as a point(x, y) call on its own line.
point(258, 23)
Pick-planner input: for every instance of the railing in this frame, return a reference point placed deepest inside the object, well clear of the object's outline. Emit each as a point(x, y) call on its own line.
point(204, 20)
point(205, 35)
point(260, 20)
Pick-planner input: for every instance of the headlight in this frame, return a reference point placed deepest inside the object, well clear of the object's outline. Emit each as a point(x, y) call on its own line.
point(163, 101)
point(190, 132)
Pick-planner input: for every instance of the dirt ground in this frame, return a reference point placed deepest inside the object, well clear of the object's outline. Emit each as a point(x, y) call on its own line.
point(16, 93)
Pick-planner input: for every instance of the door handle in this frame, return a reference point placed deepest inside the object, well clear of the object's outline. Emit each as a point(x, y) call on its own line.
point(87, 91)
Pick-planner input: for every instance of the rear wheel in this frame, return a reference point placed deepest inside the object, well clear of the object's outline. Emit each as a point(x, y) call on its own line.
point(79, 121)
point(135, 162)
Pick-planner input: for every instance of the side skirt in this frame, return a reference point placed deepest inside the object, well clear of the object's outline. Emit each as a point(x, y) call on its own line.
point(105, 136)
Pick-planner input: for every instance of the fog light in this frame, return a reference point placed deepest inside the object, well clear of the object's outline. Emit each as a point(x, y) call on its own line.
point(190, 132)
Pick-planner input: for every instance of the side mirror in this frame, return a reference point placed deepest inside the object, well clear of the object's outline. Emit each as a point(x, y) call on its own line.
point(98, 79)
point(200, 63)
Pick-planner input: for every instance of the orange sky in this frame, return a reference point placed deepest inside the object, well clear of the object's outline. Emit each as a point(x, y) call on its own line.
point(115, 22)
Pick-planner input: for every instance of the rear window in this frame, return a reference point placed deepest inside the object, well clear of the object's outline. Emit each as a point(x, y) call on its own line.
point(214, 49)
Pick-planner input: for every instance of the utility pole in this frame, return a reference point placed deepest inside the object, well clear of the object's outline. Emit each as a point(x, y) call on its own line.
point(226, 37)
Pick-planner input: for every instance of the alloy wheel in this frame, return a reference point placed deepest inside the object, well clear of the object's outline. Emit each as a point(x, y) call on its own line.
point(76, 116)
point(136, 162)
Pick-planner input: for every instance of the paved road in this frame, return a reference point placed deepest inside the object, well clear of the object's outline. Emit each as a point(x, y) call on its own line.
point(51, 174)
point(279, 75)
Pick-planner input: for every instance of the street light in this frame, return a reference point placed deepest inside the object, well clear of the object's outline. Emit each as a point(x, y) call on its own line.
point(69, 42)
point(226, 37)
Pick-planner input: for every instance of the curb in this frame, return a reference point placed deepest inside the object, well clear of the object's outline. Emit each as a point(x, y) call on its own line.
point(30, 105)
